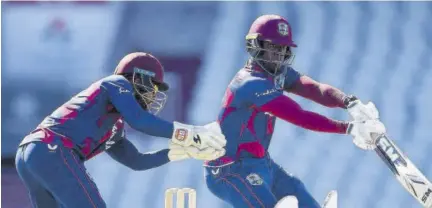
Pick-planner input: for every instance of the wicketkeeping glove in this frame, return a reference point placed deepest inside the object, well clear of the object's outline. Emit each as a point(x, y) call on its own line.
point(178, 152)
point(201, 137)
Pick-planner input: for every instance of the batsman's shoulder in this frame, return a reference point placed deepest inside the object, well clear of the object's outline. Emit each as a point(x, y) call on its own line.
point(255, 84)
point(258, 88)
point(292, 74)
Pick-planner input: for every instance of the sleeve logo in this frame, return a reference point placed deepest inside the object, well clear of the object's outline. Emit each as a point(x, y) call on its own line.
point(122, 90)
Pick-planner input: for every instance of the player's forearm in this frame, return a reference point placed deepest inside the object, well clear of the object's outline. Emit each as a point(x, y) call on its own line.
point(123, 100)
point(127, 154)
point(316, 122)
point(151, 125)
point(146, 161)
point(287, 109)
point(320, 93)
point(143, 121)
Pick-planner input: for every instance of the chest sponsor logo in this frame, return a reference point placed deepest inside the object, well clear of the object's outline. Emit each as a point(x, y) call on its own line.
point(265, 93)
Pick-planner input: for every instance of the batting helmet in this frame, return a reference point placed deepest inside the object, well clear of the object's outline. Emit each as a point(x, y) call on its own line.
point(272, 34)
point(272, 28)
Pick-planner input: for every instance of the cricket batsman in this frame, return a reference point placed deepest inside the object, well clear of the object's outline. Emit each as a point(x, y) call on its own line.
point(50, 160)
point(246, 176)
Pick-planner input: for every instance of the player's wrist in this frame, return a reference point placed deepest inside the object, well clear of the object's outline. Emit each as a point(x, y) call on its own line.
point(348, 100)
point(349, 127)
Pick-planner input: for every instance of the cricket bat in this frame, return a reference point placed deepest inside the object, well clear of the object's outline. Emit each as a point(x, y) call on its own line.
point(411, 178)
point(408, 175)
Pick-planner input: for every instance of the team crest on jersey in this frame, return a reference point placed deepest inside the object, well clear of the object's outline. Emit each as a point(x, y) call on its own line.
point(283, 29)
point(254, 179)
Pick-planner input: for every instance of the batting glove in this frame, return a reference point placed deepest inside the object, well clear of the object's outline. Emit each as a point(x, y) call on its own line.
point(365, 132)
point(361, 112)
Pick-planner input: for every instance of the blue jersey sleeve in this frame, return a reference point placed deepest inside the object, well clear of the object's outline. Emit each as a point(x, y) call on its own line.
point(258, 91)
point(290, 76)
point(124, 152)
point(120, 92)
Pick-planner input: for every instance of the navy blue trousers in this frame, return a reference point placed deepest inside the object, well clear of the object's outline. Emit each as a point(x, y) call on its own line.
point(55, 177)
point(257, 183)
